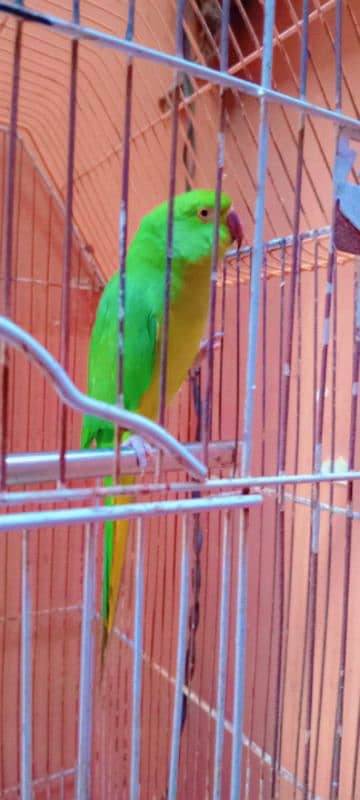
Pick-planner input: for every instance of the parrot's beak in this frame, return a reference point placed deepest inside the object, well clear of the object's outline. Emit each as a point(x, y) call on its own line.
point(235, 227)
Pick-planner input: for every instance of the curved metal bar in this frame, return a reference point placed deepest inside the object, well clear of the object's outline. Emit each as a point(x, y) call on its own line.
point(17, 337)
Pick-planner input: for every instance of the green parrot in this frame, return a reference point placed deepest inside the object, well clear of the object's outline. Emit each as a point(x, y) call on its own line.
point(193, 234)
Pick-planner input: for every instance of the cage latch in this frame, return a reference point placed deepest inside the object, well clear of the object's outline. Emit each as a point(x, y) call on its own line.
point(347, 210)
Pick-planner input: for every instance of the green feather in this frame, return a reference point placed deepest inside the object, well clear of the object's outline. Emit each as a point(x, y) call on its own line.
point(144, 310)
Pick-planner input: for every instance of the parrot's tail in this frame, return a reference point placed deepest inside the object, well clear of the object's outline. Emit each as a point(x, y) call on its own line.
point(114, 557)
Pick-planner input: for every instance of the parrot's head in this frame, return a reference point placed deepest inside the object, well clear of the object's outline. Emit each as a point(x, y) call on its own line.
point(194, 226)
point(194, 221)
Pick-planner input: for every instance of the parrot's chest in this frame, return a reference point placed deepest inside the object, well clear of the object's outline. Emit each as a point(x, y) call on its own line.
point(187, 318)
point(188, 315)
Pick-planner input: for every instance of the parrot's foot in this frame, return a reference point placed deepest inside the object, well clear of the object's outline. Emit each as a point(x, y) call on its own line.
point(204, 344)
point(143, 450)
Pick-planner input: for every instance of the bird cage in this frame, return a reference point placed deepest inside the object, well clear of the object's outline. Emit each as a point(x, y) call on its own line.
point(232, 670)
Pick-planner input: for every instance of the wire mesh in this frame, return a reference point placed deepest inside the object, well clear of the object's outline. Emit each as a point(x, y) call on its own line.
point(121, 107)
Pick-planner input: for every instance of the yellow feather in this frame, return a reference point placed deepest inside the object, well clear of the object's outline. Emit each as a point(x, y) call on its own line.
point(187, 318)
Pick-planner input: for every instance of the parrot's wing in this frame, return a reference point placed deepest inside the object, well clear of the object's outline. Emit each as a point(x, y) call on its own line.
point(141, 336)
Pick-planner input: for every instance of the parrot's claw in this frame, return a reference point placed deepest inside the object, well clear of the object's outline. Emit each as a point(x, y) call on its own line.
point(204, 344)
point(143, 450)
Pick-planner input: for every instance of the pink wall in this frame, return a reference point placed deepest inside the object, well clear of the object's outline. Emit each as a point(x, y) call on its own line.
point(55, 556)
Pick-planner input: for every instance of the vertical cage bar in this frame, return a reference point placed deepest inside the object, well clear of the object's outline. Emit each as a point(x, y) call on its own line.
point(66, 272)
point(302, 693)
point(222, 657)
point(257, 261)
point(338, 55)
point(221, 359)
point(238, 365)
point(279, 559)
point(180, 11)
point(26, 669)
point(269, 649)
point(137, 664)
point(180, 663)
point(285, 388)
point(7, 253)
point(240, 643)
point(259, 567)
point(257, 257)
point(86, 667)
point(339, 716)
point(356, 755)
point(224, 58)
point(124, 203)
point(315, 520)
point(329, 564)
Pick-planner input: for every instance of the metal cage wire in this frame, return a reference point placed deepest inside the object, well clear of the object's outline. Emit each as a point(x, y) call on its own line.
point(232, 669)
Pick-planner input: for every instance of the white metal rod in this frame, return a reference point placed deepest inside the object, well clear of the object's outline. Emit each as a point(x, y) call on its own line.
point(180, 664)
point(69, 516)
point(83, 789)
point(22, 468)
point(281, 242)
point(254, 312)
point(222, 659)
point(214, 76)
point(137, 663)
point(214, 484)
point(26, 663)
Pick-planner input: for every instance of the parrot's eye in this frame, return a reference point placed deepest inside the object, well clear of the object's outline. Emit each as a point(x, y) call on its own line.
point(203, 213)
